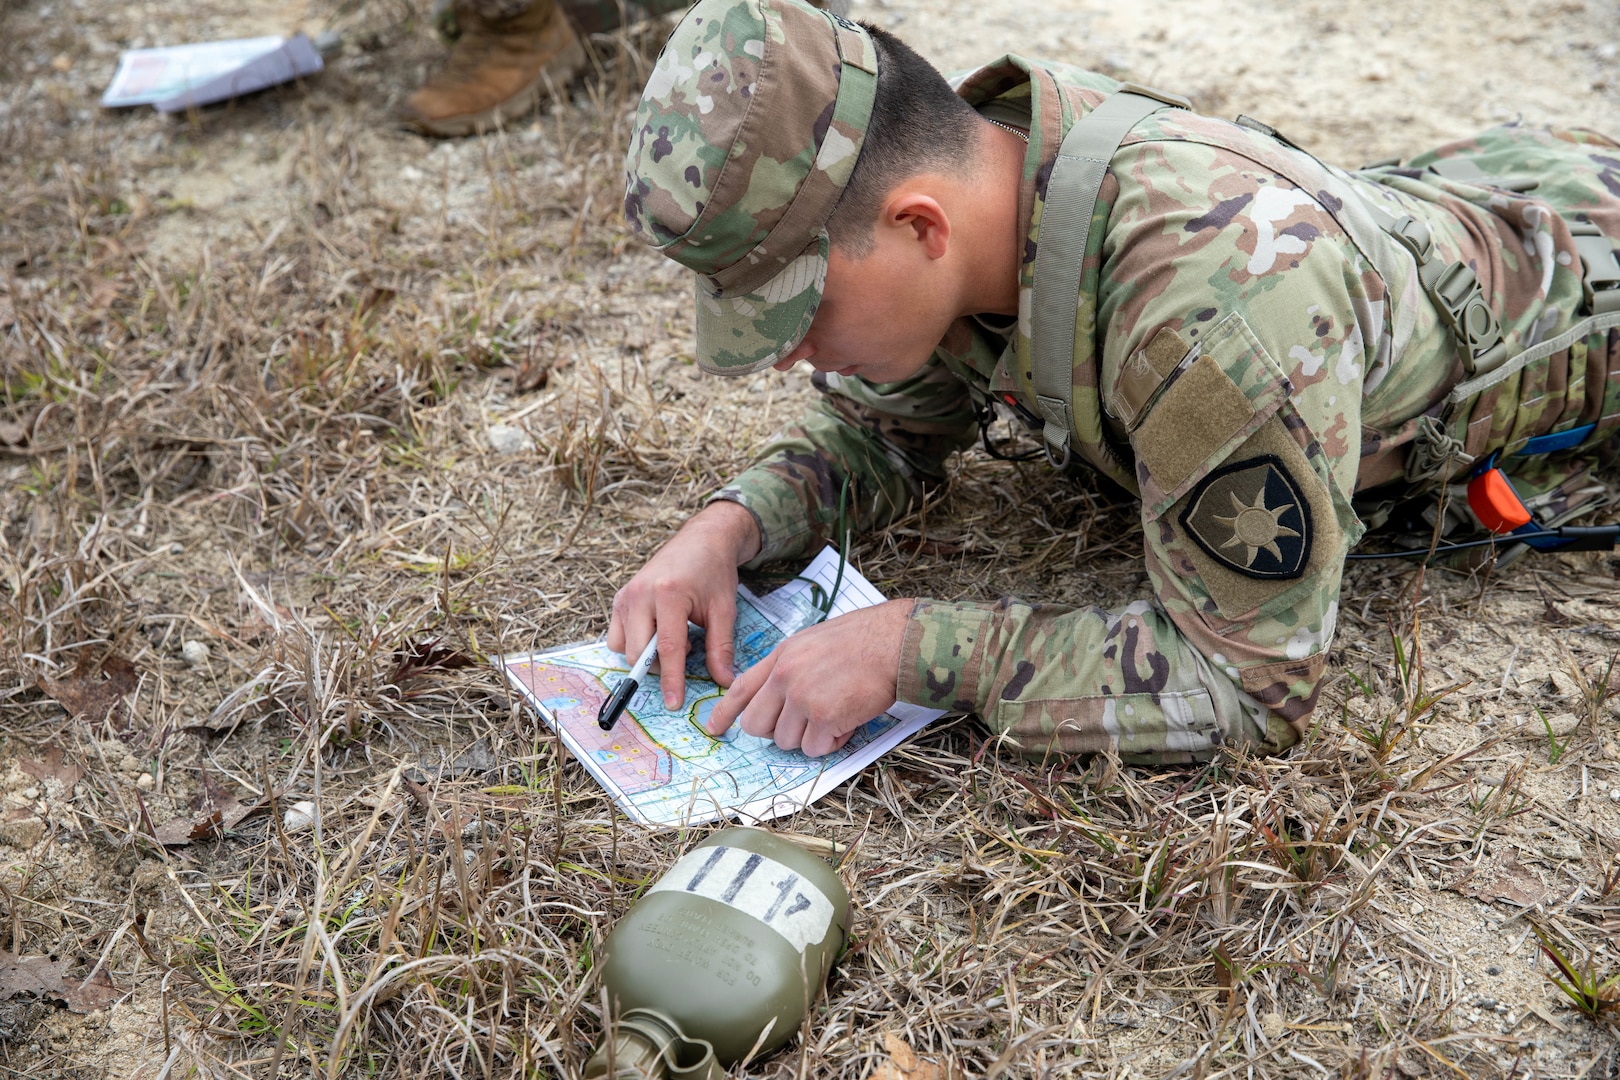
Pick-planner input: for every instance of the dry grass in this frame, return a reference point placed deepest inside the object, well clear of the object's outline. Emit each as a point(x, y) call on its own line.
point(267, 433)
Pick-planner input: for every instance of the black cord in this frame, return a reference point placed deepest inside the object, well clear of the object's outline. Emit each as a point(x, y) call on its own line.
point(986, 415)
point(1581, 538)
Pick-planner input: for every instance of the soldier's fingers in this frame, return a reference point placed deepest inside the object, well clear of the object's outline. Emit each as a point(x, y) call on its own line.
point(737, 698)
point(763, 715)
point(721, 650)
point(618, 623)
point(635, 626)
point(672, 646)
point(788, 731)
point(823, 739)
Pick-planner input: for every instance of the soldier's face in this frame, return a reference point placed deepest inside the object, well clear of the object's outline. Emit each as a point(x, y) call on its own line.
point(881, 315)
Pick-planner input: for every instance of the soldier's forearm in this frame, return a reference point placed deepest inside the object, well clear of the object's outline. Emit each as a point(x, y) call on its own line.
point(1058, 680)
point(729, 526)
point(815, 472)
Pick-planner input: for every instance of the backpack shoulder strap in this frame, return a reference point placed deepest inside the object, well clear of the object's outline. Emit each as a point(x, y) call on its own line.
point(1071, 200)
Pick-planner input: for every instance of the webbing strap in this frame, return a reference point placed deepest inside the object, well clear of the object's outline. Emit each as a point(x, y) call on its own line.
point(1454, 289)
point(1071, 199)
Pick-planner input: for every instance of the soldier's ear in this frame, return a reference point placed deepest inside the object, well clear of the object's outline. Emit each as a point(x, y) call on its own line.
point(922, 216)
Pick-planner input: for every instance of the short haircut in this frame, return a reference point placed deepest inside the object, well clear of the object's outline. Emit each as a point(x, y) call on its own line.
point(918, 125)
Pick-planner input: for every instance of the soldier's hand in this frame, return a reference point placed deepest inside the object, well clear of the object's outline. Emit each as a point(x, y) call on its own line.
point(818, 686)
point(693, 577)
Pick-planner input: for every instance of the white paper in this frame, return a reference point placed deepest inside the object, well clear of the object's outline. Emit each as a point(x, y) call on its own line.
point(175, 77)
point(661, 767)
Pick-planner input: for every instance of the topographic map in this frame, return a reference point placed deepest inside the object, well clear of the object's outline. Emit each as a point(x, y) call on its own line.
point(662, 767)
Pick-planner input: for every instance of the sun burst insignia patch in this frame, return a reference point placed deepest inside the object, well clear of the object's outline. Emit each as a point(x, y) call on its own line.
point(1251, 518)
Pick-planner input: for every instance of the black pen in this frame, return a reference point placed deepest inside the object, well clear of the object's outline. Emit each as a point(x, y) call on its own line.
point(613, 707)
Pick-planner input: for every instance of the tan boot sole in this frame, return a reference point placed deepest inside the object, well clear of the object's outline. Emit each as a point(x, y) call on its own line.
point(571, 59)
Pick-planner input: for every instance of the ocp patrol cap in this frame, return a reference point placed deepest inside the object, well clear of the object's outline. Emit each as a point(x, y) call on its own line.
point(746, 134)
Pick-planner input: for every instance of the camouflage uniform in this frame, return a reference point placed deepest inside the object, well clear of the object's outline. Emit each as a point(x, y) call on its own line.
point(1256, 359)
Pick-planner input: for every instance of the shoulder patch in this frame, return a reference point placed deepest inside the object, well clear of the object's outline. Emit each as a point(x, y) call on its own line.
point(1251, 517)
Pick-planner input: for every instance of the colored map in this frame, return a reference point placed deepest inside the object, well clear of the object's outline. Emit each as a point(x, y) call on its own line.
point(661, 766)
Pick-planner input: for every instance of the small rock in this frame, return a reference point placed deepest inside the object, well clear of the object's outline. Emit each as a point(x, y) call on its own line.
point(177, 548)
point(300, 815)
point(328, 43)
point(505, 439)
point(195, 653)
point(1416, 908)
point(144, 781)
point(1614, 794)
point(1607, 51)
point(22, 833)
point(1272, 1025)
point(29, 793)
point(129, 765)
point(1494, 969)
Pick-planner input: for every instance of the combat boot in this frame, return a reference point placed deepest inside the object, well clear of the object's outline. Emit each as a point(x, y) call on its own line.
point(497, 70)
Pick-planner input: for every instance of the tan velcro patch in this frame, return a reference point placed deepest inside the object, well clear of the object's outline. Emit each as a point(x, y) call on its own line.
point(1144, 373)
point(1200, 413)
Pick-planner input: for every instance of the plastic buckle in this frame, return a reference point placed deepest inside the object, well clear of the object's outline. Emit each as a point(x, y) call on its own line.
point(1600, 268)
point(1473, 323)
point(1414, 237)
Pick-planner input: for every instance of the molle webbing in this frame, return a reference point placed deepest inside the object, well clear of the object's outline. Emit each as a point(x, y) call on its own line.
point(1066, 221)
point(1454, 289)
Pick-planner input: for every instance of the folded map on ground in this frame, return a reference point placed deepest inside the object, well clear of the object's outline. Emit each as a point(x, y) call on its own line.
point(175, 77)
point(662, 767)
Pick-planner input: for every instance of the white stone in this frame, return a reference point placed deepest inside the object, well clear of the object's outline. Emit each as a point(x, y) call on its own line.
point(505, 439)
point(144, 781)
point(300, 815)
point(195, 653)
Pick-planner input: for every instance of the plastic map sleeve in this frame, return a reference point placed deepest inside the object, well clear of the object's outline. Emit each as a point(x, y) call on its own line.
point(660, 766)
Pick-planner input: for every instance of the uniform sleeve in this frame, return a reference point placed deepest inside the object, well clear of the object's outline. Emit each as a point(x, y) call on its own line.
point(889, 440)
point(1232, 373)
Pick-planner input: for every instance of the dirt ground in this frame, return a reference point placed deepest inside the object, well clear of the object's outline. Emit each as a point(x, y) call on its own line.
point(304, 417)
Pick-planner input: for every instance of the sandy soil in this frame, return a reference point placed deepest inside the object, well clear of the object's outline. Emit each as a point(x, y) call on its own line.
point(1354, 83)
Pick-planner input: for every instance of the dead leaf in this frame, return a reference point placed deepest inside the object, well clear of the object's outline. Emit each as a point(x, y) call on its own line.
point(43, 977)
point(903, 1063)
point(53, 766)
point(1504, 882)
point(96, 992)
point(39, 975)
point(417, 658)
point(217, 813)
point(94, 695)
